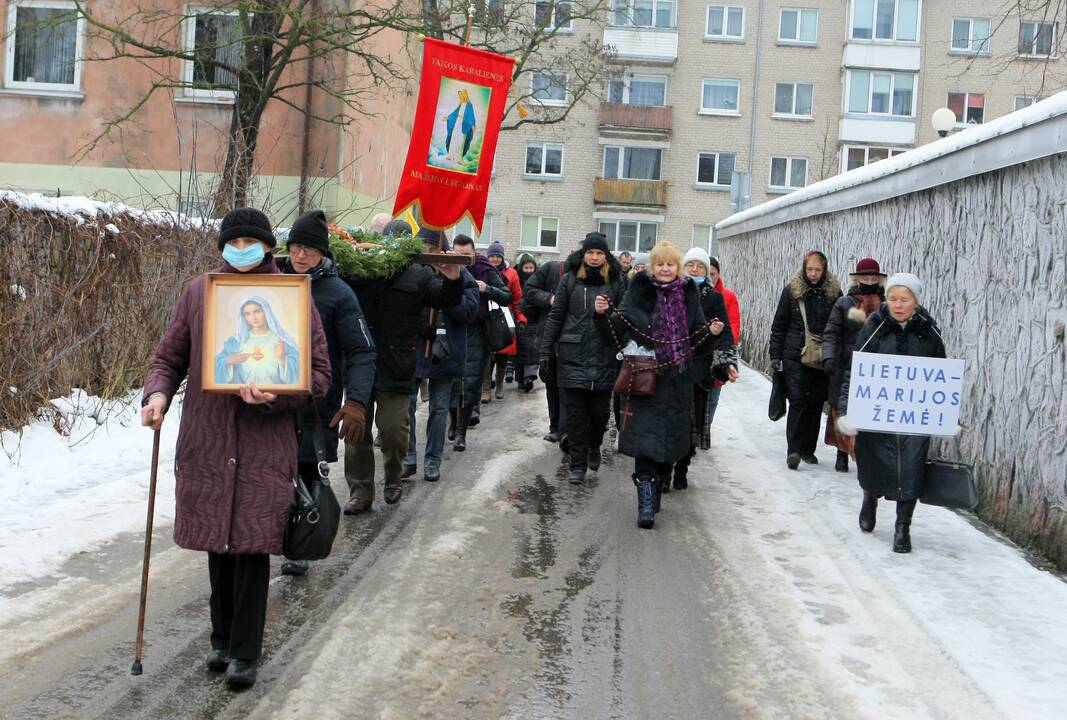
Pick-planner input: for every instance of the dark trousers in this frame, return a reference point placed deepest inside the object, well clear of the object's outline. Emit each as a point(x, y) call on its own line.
point(557, 415)
point(805, 410)
point(587, 419)
point(238, 603)
point(644, 466)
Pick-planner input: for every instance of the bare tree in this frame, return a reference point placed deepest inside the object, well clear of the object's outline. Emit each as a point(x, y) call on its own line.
point(264, 52)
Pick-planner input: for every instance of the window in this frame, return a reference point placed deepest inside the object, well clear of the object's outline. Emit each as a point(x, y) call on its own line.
point(540, 232)
point(881, 93)
point(639, 90)
point(212, 37)
point(859, 156)
point(550, 88)
point(1022, 101)
point(544, 159)
point(715, 169)
point(970, 36)
point(788, 173)
point(702, 237)
point(466, 227)
point(44, 50)
point(489, 12)
point(551, 14)
point(793, 99)
point(721, 96)
point(885, 20)
point(643, 13)
point(798, 26)
point(969, 107)
point(725, 22)
point(1037, 39)
point(630, 236)
point(631, 163)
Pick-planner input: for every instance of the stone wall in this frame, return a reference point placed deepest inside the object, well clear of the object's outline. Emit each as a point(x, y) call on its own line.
point(991, 251)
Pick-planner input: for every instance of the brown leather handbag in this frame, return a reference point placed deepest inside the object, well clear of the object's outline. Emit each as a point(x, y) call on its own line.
point(637, 376)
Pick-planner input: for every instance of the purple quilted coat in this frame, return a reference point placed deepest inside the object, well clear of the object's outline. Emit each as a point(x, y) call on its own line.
point(235, 462)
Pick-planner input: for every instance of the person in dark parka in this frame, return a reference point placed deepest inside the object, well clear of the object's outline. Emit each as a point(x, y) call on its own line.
point(443, 368)
point(697, 266)
point(865, 295)
point(812, 291)
point(527, 356)
point(236, 458)
point(393, 309)
point(351, 353)
point(538, 295)
point(890, 465)
point(660, 313)
point(586, 360)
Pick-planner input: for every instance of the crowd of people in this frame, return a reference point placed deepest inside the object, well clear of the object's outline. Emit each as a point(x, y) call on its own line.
point(643, 341)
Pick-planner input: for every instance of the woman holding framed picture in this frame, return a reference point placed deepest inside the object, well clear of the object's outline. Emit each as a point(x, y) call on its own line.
point(237, 445)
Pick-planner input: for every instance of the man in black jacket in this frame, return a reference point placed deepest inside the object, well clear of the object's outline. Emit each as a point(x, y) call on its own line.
point(351, 354)
point(537, 296)
point(393, 309)
point(586, 364)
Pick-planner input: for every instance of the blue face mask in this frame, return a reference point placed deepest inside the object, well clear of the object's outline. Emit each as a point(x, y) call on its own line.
point(249, 257)
point(698, 280)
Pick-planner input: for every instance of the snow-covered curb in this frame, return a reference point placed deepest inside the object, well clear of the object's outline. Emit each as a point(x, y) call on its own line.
point(70, 494)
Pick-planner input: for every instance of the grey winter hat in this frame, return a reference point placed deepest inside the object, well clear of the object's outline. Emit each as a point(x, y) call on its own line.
point(911, 282)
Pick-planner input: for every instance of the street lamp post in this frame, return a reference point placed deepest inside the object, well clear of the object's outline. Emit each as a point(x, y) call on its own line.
point(943, 120)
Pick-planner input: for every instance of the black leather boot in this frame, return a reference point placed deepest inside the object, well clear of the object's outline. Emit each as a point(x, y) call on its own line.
point(463, 418)
point(868, 512)
point(240, 674)
point(681, 476)
point(842, 462)
point(646, 514)
point(902, 536)
point(665, 482)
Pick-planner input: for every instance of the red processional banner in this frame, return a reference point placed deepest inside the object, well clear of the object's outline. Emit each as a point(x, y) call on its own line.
point(462, 98)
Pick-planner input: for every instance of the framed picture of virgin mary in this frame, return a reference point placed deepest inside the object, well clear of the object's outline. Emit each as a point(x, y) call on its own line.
point(257, 329)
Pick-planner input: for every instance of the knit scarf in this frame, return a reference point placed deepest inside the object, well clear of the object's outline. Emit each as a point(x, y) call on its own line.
point(670, 324)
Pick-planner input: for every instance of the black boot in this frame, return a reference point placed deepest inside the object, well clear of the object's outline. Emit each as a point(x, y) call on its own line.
point(594, 459)
point(792, 460)
point(902, 536)
point(868, 512)
point(665, 482)
point(646, 513)
point(681, 476)
point(842, 462)
point(452, 423)
point(463, 418)
point(658, 484)
point(576, 475)
point(240, 674)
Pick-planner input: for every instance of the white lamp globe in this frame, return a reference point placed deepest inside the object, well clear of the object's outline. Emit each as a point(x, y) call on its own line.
point(943, 121)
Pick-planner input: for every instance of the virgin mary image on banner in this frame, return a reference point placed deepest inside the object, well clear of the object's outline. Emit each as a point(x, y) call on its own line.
point(459, 126)
point(260, 351)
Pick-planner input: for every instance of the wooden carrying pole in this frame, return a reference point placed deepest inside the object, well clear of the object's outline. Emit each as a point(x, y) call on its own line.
point(137, 669)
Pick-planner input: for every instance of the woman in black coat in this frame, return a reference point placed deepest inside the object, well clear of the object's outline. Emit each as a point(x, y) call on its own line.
point(661, 312)
point(810, 293)
point(890, 465)
point(865, 295)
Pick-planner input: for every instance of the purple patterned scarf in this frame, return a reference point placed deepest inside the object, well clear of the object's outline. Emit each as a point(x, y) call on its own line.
point(670, 323)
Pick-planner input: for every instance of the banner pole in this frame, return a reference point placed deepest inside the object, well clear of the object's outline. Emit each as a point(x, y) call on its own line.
point(470, 25)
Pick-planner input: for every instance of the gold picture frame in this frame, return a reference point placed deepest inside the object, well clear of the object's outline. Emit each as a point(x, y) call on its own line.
point(257, 329)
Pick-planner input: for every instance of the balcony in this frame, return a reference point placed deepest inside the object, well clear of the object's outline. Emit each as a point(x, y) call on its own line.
point(882, 56)
point(650, 45)
point(648, 118)
point(883, 130)
point(633, 193)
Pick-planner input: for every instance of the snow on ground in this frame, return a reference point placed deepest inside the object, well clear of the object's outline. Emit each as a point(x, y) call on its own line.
point(70, 494)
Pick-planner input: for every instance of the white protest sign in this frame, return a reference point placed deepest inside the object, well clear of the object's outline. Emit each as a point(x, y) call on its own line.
point(904, 394)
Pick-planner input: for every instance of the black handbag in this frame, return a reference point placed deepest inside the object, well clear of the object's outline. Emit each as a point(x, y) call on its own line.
point(776, 406)
point(497, 333)
point(315, 513)
point(949, 484)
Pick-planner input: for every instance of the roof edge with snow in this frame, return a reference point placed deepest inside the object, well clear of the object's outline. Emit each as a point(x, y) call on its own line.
point(83, 208)
point(1034, 132)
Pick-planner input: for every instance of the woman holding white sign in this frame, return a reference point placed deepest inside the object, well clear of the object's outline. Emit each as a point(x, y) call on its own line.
point(892, 465)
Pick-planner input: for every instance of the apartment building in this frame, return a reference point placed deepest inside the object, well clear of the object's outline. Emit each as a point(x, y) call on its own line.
point(788, 91)
point(57, 92)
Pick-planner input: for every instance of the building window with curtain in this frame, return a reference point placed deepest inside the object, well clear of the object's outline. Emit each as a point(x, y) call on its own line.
point(639, 90)
point(715, 169)
point(788, 174)
point(631, 163)
point(44, 46)
point(793, 100)
point(856, 156)
point(549, 88)
point(544, 160)
point(970, 36)
point(798, 27)
point(550, 14)
point(878, 93)
point(629, 236)
point(1037, 39)
point(888, 20)
point(725, 22)
point(721, 97)
point(216, 40)
point(642, 13)
point(969, 108)
point(539, 232)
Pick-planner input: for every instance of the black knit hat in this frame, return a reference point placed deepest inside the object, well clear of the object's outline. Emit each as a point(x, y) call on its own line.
point(595, 241)
point(396, 227)
point(310, 230)
point(246, 222)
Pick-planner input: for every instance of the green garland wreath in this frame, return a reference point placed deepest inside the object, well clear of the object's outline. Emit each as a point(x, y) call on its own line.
point(385, 258)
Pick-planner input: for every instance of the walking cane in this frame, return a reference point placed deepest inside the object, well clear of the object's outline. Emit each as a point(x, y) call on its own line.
point(137, 669)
